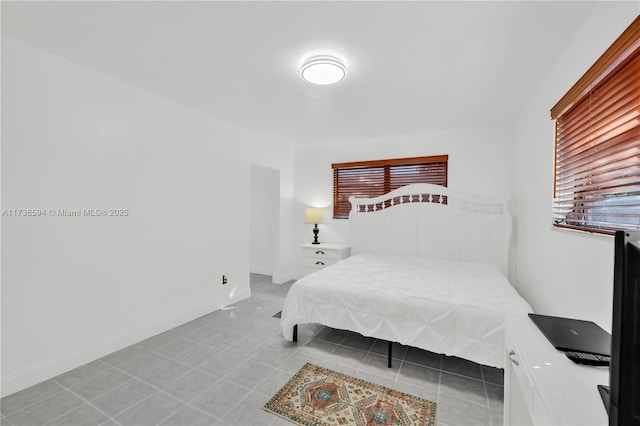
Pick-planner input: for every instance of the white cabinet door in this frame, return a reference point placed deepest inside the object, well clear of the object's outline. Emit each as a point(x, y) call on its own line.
point(519, 389)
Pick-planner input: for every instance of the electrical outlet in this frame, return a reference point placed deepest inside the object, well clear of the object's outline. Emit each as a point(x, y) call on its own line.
point(224, 279)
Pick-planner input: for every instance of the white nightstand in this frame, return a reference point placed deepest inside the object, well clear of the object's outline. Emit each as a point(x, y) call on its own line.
point(317, 256)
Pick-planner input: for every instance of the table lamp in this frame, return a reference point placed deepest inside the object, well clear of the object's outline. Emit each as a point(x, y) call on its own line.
point(314, 215)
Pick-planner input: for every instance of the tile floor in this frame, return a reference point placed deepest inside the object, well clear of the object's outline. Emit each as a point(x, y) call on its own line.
point(221, 368)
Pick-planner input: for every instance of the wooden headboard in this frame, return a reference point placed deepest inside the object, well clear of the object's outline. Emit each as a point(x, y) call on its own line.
point(432, 221)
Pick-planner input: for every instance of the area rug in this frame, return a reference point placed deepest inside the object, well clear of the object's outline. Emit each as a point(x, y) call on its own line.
point(317, 396)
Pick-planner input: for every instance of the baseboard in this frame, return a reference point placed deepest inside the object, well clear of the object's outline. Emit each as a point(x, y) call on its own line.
point(49, 369)
point(240, 296)
point(281, 279)
point(261, 271)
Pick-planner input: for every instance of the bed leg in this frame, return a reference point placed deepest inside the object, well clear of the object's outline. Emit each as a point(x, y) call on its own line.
point(295, 333)
point(389, 361)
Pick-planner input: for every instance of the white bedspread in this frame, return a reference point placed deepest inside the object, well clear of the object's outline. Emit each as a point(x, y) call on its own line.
point(450, 307)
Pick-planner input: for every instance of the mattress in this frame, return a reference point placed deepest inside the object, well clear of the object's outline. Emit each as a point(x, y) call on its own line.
point(444, 306)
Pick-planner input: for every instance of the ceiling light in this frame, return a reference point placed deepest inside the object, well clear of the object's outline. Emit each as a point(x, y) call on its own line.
point(323, 69)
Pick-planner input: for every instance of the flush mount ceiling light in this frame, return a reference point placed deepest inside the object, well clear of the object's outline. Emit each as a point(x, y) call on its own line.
point(323, 69)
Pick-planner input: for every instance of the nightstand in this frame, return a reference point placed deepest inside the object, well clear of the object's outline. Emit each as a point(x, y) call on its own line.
point(318, 256)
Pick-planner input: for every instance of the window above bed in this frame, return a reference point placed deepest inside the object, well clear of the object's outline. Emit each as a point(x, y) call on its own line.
point(378, 177)
point(597, 164)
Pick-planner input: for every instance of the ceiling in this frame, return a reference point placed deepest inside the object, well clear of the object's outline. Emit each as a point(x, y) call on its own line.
point(412, 66)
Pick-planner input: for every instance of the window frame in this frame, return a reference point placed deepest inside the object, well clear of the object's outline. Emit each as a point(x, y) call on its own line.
point(578, 201)
point(349, 170)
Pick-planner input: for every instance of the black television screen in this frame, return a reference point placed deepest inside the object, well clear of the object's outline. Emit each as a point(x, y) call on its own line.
point(623, 398)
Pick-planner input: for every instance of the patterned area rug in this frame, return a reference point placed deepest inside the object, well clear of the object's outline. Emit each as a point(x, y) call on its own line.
point(317, 396)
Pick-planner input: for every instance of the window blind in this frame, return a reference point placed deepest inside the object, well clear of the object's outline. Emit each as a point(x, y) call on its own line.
point(378, 177)
point(597, 167)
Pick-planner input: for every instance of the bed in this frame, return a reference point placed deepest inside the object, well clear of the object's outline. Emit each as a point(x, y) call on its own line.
point(428, 269)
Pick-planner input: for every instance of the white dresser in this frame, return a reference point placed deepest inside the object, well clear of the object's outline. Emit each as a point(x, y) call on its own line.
point(318, 256)
point(544, 387)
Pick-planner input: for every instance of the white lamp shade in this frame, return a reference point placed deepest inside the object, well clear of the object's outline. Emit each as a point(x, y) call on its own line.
point(314, 215)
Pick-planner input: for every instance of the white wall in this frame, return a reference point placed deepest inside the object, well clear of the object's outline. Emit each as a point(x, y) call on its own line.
point(561, 272)
point(265, 195)
point(479, 163)
point(77, 288)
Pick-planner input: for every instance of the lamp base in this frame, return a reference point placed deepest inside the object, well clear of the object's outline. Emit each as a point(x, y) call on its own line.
point(315, 234)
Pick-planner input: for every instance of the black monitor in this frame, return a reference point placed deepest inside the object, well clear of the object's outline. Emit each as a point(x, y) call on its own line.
point(622, 398)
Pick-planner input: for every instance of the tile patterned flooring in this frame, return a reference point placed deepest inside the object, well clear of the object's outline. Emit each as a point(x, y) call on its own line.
point(221, 368)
